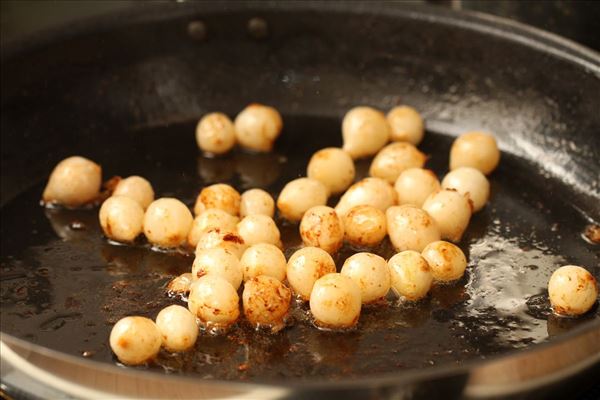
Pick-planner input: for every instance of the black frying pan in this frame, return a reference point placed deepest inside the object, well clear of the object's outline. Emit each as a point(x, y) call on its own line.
point(126, 91)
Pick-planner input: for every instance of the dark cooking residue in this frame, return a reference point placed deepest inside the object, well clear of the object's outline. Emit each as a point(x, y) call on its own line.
point(64, 286)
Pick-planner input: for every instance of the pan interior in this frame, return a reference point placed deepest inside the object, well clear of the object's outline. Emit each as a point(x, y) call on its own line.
point(129, 96)
point(64, 285)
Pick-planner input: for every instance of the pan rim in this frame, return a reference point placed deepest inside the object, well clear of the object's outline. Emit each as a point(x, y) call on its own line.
point(493, 25)
point(535, 38)
point(379, 380)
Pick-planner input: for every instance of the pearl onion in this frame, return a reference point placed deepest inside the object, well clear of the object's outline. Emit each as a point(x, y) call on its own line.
point(470, 182)
point(298, 196)
point(199, 207)
point(216, 237)
point(333, 167)
point(374, 192)
point(446, 260)
point(257, 126)
point(335, 301)
point(259, 229)
point(406, 125)
point(75, 181)
point(215, 133)
point(263, 259)
point(395, 158)
point(411, 228)
point(210, 219)
point(136, 188)
point(167, 222)
point(307, 265)
point(135, 340)
point(364, 226)
point(177, 327)
point(121, 218)
point(451, 211)
point(475, 149)
point(365, 131)
point(414, 185)
point(180, 284)
point(266, 301)
point(257, 201)
point(371, 274)
point(572, 290)
point(321, 227)
point(214, 301)
point(220, 262)
point(411, 275)
point(221, 196)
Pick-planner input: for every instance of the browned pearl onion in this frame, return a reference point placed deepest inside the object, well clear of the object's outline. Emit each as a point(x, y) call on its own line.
point(257, 228)
point(395, 158)
point(221, 196)
point(298, 196)
point(305, 266)
point(177, 327)
point(365, 131)
point(451, 211)
point(374, 192)
point(371, 274)
point(321, 227)
point(477, 150)
point(406, 125)
point(211, 219)
point(216, 237)
point(469, 182)
point(411, 275)
point(572, 290)
point(136, 188)
point(364, 226)
point(446, 260)
point(75, 181)
point(167, 222)
point(257, 201)
point(215, 133)
point(414, 185)
point(257, 127)
point(180, 284)
point(335, 301)
point(121, 218)
point(135, 340)
point(411, 228)
point(263, 259)
point(333, 167)
point(220, 262)
point(266, 302)
point(214, 301)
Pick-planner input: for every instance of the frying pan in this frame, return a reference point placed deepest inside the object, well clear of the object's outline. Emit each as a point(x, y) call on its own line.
point(126, 90)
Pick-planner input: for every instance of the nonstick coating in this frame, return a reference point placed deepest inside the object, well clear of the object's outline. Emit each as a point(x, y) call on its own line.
point(127, 94)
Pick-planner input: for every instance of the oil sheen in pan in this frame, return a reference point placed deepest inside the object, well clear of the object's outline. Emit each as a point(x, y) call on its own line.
point(64, 286)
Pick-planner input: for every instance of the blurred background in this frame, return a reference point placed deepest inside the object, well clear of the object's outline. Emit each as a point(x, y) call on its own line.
point(576, 20)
